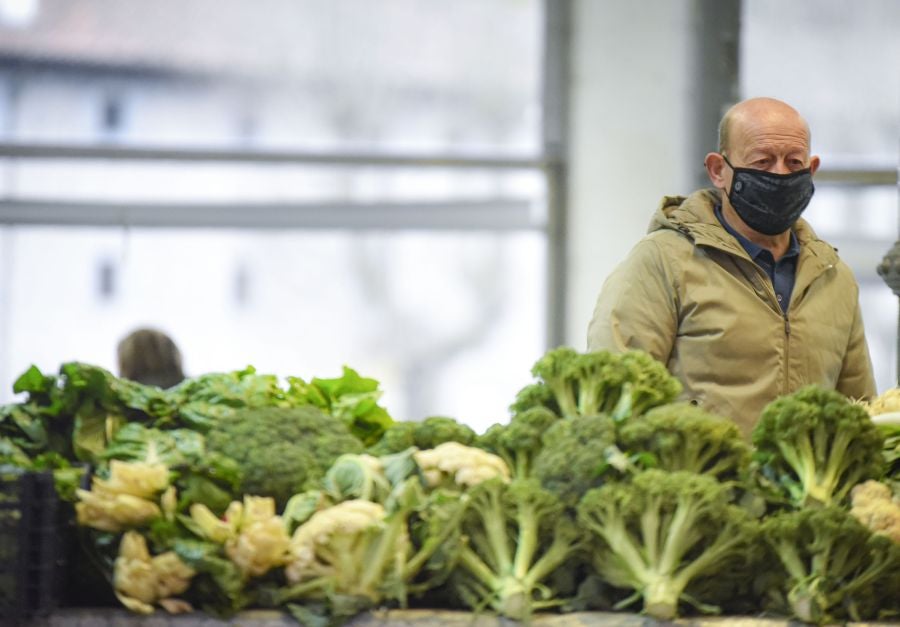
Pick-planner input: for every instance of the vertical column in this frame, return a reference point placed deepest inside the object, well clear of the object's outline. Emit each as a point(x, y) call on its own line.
point(714, 77)
point(554, 142)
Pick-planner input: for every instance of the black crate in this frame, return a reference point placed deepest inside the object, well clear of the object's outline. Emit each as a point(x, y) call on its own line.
point(30, 546)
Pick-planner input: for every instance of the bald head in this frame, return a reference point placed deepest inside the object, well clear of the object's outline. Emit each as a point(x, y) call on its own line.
point(750, 116)
point(759, 134)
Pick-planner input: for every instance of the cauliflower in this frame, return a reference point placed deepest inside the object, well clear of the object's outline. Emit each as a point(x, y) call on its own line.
point(873, 504)
point(135, 478)
point(464, 465)
point(327, 543)
point(254, 538)
point(262, 540)
point(113, 512)
point(127, 498)
point(886, 403)
point(140, 580)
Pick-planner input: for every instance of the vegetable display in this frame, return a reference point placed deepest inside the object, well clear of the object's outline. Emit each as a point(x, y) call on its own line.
point(599, 490)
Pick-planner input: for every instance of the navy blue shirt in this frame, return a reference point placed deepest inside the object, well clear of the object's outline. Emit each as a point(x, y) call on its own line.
point(781, 272)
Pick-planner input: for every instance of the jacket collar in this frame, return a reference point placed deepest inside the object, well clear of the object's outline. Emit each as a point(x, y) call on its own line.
point(695, 217)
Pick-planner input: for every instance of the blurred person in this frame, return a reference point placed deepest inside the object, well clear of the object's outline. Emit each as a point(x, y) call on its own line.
point(731, 289)
point(151, 357)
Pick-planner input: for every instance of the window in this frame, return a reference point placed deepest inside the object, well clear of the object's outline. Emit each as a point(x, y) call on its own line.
point(292, 185)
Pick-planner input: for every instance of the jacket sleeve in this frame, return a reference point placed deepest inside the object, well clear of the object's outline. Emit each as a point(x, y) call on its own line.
point(856, 379)
point(638, 305)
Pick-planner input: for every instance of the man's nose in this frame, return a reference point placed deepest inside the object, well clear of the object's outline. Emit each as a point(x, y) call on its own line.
point(780, 167)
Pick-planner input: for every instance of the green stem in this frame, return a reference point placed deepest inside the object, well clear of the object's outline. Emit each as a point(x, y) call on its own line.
point(431, 545)
point(471, 562)
point(495, 527)
point(526, 519)
point(552, 559)
point(375, 564)
point(676, 540)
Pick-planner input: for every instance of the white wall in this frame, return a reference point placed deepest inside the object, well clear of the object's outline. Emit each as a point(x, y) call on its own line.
point(629, 124)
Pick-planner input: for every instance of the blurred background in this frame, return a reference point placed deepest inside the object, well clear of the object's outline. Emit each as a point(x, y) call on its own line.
point(430, 192)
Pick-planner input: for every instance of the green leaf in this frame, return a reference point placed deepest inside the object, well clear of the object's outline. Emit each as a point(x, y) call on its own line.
point(12, 455)
point(301, 507)
point(32, 380)
point(89, 433)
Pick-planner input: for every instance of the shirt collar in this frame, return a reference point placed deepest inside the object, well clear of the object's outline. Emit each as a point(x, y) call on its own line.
point(754, 250)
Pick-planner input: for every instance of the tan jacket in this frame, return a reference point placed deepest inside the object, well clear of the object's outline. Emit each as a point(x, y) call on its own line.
point(689, 295)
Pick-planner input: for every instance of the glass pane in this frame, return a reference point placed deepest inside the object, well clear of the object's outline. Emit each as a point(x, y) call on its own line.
point(837, 64)
point(449, 322)
point(861, 222)
point(407, 75)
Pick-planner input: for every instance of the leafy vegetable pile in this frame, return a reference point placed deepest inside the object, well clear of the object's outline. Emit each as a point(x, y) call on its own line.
point(599, 491)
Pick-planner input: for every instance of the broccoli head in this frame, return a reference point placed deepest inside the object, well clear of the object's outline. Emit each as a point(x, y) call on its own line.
point(427, 433)
point(281, 451)
point(573, 455)
point(814, 445)
point(584, 384)
point(834, 567)
point(519, 440)
point(556, 369)
point(535, 395)
point(661, 531)
point(680, 436)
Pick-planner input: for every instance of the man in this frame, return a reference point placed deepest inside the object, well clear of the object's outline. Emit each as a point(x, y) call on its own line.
point(731, 289)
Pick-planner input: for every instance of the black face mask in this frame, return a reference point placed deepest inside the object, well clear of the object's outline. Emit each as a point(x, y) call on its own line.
point(769, 203)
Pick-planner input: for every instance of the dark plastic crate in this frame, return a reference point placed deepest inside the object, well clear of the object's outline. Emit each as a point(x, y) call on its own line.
point(30, 545)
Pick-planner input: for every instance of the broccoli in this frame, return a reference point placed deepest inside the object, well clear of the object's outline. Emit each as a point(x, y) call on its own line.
point(680, 436)
point(832, 564)
point(583, 384)
point(519, 536)
point(659, 532)
point(535, 395)
point(574, 455)
point(519, 440)
point(425, 434)
point(557, 370)
point(814, 445)
point(281, 451)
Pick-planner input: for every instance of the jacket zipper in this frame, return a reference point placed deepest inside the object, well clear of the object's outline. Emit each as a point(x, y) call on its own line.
point(787, 353)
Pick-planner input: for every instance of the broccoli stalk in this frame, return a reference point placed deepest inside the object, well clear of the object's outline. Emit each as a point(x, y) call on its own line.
point(832, 563)
point(815, 445)
point(508, 570)
point(662, 531)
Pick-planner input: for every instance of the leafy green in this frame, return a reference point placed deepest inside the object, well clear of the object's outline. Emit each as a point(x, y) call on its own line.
point(350, 398)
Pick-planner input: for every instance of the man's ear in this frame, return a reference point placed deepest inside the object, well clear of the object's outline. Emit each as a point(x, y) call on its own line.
point(814, 164)
point(715, 169)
